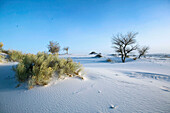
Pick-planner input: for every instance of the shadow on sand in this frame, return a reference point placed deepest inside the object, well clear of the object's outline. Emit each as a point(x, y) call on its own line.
point(155, 76)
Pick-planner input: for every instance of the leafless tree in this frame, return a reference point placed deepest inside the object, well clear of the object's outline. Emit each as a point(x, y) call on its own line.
point(143, 51)
point(66, 49)
point(54, 47)
point(124, 44)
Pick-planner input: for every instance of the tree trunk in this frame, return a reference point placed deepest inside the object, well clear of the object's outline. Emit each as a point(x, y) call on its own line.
point(139, 56)
point(122, 57)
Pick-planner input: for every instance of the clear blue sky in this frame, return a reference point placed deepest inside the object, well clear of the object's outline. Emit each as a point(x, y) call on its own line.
point(83, 25)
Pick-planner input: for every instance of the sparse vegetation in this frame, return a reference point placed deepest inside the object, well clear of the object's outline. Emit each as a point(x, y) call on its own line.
point(1, 45)
point(15, 56)
point(54, 47)
point(135, 58)
point(5, 51)
point(39, 69)
point(127, 56)
point(109, 60)
point(143, 51)
point(0, 58)
point(124, 44)
point(166, 56)
point(98, 55)
point(66, 49)
point(92, 53)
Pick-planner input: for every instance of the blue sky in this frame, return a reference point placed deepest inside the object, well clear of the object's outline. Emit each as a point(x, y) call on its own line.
point(83, 25)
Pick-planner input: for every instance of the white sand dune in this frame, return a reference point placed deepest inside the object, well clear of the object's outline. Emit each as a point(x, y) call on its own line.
point(136, 86)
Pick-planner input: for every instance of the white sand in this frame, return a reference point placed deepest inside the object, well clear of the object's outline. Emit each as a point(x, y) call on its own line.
point(136, 86)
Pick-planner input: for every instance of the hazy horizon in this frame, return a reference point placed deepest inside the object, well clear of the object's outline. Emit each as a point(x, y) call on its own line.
point(84, 26)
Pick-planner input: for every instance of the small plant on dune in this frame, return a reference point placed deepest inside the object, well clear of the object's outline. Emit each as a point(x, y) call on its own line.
point(66, 49)
point(92, 53)
point(0, 58)
point(4, 51)
point(66, 67)
point(54, 47)
point(109, 60)
point(25, 67)
point(1, 45)
point(166, 56)
point(15, 56)
point(135, 58)
point(39, 69)
point(98, 55)
point(128, 56)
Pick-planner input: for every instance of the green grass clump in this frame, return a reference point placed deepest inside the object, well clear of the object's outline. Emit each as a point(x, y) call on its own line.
point(39, 69)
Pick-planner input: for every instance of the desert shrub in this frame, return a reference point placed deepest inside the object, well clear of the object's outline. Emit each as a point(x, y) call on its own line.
point(24, 68)
point(135, 58)
point(66, 49)
point(15, 56)
point(98, 55)
point(166, 56)
point(113, 54)
point(0, 58)
point(66, 67)
point(54, 47)
point(39, 69)
point(4, 51)
point(109, 60)
point(1, 45)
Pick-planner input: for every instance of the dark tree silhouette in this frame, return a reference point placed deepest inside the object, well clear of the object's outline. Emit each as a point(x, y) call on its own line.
point(124, 44)
point(143, 51)
point(54, 47)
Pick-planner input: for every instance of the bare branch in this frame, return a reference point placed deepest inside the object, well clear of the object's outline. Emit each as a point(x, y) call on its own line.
point(143, 51)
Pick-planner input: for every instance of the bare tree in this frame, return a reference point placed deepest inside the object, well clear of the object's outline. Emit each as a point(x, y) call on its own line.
point(66, 49)
point(124, 44)
point(54, 47)
point(143, 51)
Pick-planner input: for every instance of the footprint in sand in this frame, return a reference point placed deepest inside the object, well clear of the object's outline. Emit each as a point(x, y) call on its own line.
point(116, 75)
point(83, 89)
point(99, 91)
point(113, 106)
